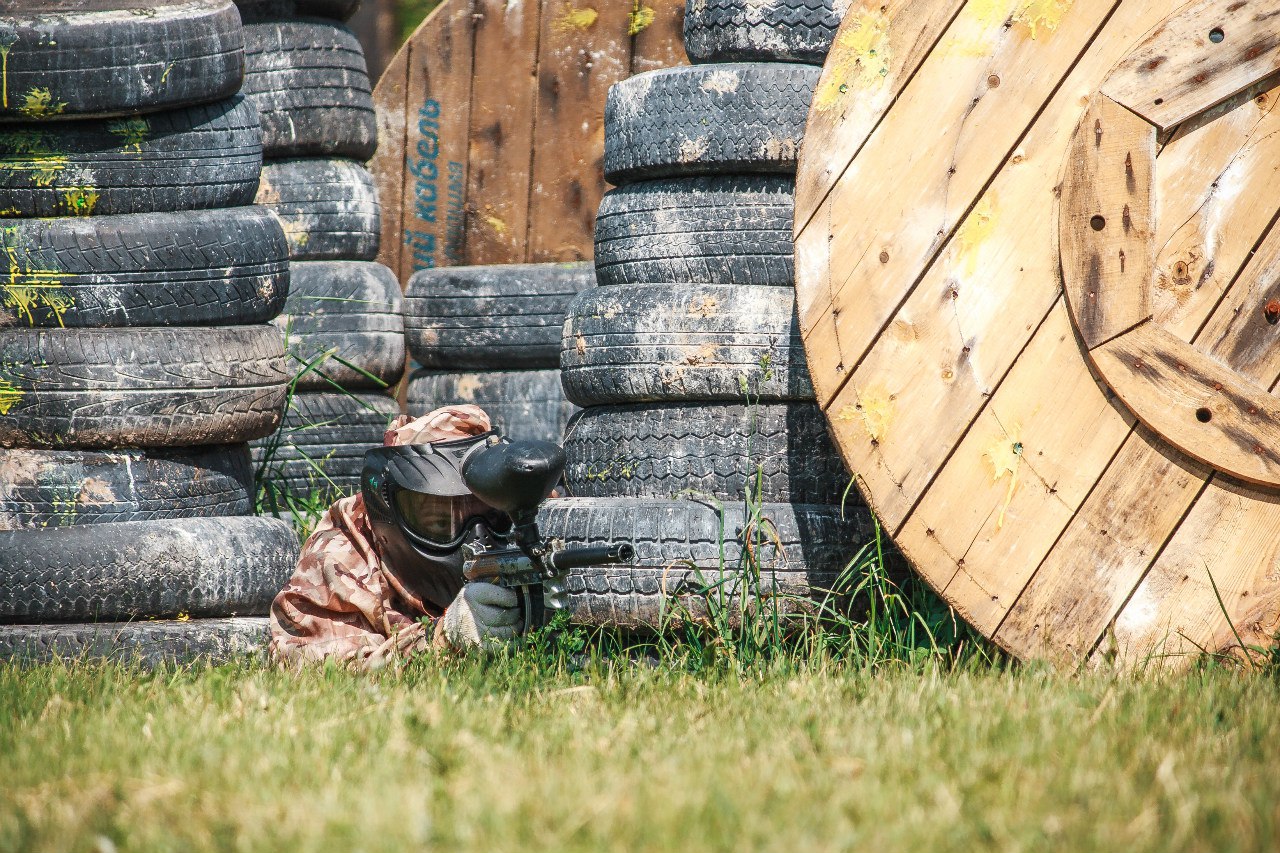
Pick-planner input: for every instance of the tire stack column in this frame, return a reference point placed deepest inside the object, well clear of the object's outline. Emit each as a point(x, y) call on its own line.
point(490, 335)
point(700, 440)
point(136, 355)
point(306, 73)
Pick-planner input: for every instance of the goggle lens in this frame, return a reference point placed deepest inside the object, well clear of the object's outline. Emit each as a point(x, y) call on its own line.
point(443, 520)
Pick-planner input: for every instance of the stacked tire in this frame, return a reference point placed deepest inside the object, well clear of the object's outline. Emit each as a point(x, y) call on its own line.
point(137, 357)
point(700, 440)
point(490, 336)
point(306, 74)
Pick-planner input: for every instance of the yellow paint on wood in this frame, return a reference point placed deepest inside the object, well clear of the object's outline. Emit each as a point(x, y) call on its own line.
point(576, 19)
point(1005, 454)
point(876, 408)
point(980, 225)
point(859, 60)
point(642, 17)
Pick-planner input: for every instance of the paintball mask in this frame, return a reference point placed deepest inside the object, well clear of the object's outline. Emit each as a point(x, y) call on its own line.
point(422, 512)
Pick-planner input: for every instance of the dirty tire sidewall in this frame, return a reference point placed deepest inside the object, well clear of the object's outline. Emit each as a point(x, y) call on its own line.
point(707, 120)
point(111, 388)
point(139, 569)
point(732, 229)
point(78, 63)
point(187, 268)
point(345, 320)
point(194, 158)
point(329, 208)
point(149, 643)
point(504, 317)
point(528, 404)
point(656, 342)
point(62, 488)
point(751, 31)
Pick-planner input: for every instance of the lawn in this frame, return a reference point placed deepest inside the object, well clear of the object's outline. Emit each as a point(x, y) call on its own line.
point(538, 750)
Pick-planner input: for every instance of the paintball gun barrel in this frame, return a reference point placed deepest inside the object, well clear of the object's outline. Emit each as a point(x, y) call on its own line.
point(516, 477)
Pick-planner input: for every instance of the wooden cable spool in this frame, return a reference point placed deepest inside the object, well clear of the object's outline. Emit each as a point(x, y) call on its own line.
point(491, 126)
point(1037, 262)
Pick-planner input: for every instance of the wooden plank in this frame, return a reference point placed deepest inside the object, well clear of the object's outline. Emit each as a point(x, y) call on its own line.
point(1010, 487)
point(437, 115)
point(890, 225)
point(870, 62)
point(1244, 333)
point(657, 35)
point(1106, 221)
point(1205, 53)
point(1150, 486)
point(387, 165)
point(951, 343)
point(1093, 567)
point(1214, 199)
point(1206, 410)
point(504, 88)
point(1214, 586)
point(584, 50)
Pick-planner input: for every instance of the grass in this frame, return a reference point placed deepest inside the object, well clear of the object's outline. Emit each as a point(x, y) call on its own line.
point(521, 751)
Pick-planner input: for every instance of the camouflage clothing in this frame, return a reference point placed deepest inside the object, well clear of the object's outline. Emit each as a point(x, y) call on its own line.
point(343, 601)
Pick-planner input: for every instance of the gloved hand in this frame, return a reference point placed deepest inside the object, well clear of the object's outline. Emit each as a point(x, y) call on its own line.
point(480, 612)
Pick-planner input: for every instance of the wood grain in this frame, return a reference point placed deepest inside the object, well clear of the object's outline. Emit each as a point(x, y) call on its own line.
point(1203, 54)
point(951, 343)
point(877, 50)
point(657, 35)
point(890, 223)
point(583, 51)
point(436, 113)
point(491, 124)
point(1106, 221)
point(1203, 408)
point(504, 81)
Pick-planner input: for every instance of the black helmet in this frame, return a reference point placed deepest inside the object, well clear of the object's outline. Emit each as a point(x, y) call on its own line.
point(422, 512)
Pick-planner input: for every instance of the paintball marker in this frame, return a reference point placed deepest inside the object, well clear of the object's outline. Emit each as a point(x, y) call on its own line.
point(516, 477)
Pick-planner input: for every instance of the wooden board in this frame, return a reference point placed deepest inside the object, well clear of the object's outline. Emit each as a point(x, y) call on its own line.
point(491, 126)
point(934, 227)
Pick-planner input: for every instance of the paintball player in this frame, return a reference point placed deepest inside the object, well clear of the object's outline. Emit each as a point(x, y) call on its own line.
point(364, 582)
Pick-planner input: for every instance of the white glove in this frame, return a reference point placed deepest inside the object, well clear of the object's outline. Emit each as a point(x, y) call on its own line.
point(481, 611)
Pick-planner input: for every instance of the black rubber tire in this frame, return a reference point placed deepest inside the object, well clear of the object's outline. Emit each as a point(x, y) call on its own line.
point(329, 208)
point(136, 569)
point(310, 83)
point(328, 432)
point(707, 120)
point(751, 31)
point(148, 643)
point(74, 58)
point(63, 488)
point(194, 158)
point(351, 309)
point(520, 403)
point(505, 317)
point(679, 545)
point(723, 229)
point(774, 452)
point(69, 388)
point(662, 342)
point(258, 10)
point(187, 268)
